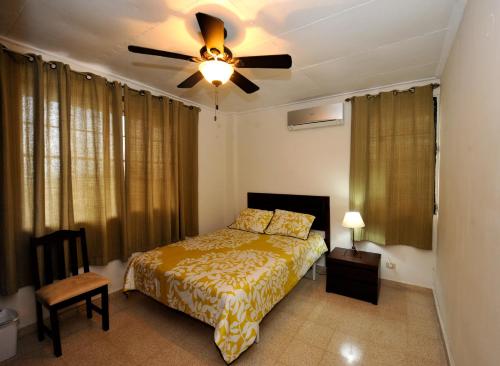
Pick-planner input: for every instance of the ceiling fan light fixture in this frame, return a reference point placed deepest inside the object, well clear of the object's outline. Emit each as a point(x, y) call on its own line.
point(216, 72)
point(216, 62)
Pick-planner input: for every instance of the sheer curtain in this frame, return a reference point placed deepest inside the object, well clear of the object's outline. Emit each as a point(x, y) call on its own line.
point(67, 161)
point(392, 166)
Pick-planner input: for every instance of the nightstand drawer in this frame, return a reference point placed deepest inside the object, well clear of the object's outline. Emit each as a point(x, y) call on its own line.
point(348, 287)
point(354, 273)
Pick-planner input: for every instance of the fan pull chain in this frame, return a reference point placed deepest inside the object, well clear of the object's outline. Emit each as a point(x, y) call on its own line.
point(216, 101)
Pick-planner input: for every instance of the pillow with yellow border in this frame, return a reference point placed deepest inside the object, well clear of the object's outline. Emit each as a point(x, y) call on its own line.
point(253, 220)
point(290, 223)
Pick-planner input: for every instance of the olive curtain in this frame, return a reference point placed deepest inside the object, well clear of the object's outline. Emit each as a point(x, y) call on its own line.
point(96, 133)
point(78, 151)
point(161, 170)
point(392, 166)
point(16, 100)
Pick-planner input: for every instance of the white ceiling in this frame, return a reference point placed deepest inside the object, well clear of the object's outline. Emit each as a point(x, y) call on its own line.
point(336, 45)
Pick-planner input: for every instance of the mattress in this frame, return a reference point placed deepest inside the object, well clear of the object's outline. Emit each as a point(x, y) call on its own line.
point(229, 279)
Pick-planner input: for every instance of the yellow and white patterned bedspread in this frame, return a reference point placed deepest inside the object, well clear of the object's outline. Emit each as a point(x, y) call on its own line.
point(229, 279)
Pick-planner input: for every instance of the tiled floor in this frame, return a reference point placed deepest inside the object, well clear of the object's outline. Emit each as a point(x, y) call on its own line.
point(309, 327)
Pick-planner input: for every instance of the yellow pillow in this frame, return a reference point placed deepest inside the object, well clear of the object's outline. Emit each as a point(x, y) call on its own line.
point(253, 220)
point(290, 223)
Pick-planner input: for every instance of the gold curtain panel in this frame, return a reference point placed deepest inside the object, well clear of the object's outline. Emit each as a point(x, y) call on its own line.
point(393, 166)
point(63, 164)
point(161, 170)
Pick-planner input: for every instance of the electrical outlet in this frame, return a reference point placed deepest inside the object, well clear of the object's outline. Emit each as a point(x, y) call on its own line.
point(390, 265)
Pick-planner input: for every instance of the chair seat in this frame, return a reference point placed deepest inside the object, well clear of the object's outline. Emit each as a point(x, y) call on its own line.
point(70, 287)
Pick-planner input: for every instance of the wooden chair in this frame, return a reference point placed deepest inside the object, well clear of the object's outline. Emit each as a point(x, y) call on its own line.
point(68, 290)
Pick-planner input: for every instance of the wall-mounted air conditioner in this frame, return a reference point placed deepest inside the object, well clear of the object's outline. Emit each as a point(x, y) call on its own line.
point(320, 116)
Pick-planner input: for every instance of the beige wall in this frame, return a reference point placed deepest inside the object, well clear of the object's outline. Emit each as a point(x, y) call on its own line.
point(468, 253)
point(270, 158)
point(215, 170)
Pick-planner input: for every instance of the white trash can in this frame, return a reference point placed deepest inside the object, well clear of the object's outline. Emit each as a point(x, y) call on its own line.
point(8, 333)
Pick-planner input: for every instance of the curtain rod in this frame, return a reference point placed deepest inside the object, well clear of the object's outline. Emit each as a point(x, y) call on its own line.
point(88, 75)
point(142, 92)
point(395, 91)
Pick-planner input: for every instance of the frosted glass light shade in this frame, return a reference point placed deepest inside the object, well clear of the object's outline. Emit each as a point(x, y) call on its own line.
point(353, 220)
point(216, 72)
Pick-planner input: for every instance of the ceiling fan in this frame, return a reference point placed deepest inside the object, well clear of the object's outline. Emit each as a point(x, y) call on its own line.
point(216, 61)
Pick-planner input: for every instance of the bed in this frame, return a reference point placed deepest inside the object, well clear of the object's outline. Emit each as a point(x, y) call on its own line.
point(230, 279)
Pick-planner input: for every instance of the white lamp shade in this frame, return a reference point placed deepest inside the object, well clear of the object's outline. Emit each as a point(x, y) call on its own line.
point(353, 220)
point(218, 71)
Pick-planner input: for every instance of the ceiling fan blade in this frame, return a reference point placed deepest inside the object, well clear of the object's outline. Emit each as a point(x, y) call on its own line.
point(152, 51)
point(245, 84)
point(191, 81)
point(267, 62)
point(212, 29)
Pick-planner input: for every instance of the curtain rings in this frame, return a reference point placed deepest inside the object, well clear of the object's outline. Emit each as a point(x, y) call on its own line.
point(53, 65)
point(30, 56)
point(394, 92)
point(409, 90)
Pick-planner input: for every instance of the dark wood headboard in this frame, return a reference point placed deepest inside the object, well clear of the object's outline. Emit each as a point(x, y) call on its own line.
point(318, 206)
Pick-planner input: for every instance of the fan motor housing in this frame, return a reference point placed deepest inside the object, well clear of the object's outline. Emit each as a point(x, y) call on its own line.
point(226, 56)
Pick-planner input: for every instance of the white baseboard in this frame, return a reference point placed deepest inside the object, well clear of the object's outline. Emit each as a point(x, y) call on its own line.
point(444, 336)
point(407, 283)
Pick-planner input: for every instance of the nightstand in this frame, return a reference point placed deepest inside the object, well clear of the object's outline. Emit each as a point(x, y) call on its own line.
point(352, 275)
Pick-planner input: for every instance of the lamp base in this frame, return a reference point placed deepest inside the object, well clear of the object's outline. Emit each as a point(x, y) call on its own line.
point(353, 252)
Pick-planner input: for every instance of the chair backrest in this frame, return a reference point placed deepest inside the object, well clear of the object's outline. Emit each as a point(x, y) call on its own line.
point(54, 256)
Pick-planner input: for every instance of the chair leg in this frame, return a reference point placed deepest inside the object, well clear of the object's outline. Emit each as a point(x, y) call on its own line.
point(39, 321)
point(88, 302)
point(56, 337)
point(105, 308)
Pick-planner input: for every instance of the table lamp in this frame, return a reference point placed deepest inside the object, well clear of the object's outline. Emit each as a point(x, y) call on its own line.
point(353, 220)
